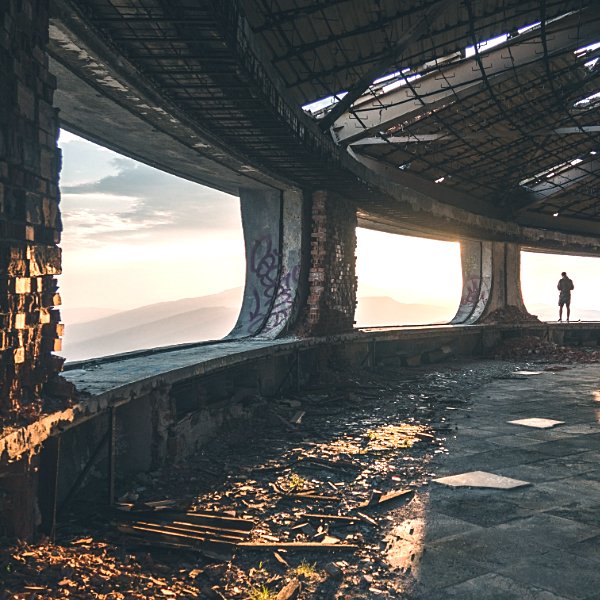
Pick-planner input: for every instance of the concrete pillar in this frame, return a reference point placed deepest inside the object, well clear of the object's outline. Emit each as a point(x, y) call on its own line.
point(275, 234)
point(332, 282)
point(29, 233)
point(300, 257)
point(491, 280)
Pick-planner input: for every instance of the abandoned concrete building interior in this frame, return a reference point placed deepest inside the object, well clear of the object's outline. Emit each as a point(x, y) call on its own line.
point(301, 456)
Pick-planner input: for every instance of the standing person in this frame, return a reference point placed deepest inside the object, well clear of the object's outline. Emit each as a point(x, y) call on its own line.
point(565, 285)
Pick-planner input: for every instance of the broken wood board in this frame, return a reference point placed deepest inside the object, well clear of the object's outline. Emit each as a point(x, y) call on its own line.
point(388, 500)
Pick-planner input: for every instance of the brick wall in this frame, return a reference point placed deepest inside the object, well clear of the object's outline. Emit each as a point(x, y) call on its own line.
point(29, 214)
point(332, 281)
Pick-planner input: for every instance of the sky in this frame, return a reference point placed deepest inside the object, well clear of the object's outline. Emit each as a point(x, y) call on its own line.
point(135, 236)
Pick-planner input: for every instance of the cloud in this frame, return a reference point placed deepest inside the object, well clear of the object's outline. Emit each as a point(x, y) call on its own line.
point(135, 201)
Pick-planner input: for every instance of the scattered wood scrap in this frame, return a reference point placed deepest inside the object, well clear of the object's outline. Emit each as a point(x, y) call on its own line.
point(212, 534)
point(298, 546)
point(378, 499)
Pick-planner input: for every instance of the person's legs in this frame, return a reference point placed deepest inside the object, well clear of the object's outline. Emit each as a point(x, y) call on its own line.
point(568, 310)
point(560, 307)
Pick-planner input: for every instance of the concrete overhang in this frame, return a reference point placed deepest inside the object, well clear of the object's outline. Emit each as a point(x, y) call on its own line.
point(105, 98)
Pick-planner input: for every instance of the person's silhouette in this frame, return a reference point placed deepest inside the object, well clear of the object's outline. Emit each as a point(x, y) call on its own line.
point(565, 285)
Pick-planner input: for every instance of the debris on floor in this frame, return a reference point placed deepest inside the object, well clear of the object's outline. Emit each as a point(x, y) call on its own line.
point(302, 512)
point(535, 348)
point(510, 315)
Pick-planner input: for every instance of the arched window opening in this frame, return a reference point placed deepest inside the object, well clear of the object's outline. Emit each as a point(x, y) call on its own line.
point(149, 259)
point(405, 280)
point(539, 278)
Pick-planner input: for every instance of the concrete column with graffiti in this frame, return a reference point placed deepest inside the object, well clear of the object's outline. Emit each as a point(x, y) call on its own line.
point(274, 232)
point(491, 280)
point(476, 259)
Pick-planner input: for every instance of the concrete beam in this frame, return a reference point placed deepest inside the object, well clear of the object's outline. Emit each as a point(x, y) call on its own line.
point(105, 99)
point(371, 116)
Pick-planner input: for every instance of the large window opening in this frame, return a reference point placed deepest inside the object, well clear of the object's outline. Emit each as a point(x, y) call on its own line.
point(405, 280)
point(149, 259)
point(539, 277)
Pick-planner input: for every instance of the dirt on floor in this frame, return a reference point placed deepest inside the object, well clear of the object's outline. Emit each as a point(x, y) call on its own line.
point(326, 480)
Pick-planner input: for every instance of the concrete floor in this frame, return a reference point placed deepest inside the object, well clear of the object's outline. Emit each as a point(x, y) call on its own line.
point(540, 541)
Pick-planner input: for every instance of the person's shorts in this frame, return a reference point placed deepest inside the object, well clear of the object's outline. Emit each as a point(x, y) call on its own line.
point(564, 299)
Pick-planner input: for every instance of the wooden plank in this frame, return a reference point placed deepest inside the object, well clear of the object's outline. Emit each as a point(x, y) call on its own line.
point(339, 518)
point(224, 521)
point(297, 546)
point(200, 534)
point(289, 591)
point(389, 498)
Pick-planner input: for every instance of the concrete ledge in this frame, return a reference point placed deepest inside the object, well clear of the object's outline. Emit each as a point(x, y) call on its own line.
point(117, 380)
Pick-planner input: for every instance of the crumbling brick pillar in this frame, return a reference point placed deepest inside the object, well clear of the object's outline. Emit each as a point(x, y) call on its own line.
point(332, 280)
point(29, 234)
point(491, 280)
point(29, 215)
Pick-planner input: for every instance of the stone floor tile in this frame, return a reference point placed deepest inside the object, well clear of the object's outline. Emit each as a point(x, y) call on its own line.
point(439, 569)
point(557, 571)
point(481, 479)
point(514, 441)
point(485, 508)
point(492, 586)
point(589, 515)
point(537, 423)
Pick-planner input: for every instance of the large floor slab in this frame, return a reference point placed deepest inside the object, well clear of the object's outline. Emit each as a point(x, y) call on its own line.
point(541, 541)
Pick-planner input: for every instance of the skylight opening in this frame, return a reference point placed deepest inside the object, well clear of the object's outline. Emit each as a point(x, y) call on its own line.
point(388, 77)
point(529, 27)
point(486, 45)
point(591, 64)
point(400, 83)
point(550, 172)
point(587, 101)
point(318, 105)
point(587, 49)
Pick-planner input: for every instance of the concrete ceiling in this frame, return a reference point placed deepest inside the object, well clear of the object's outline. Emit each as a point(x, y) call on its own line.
point(490, 142)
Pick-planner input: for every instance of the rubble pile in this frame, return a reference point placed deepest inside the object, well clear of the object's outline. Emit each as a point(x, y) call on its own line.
point(538, 349)
point(509, 315)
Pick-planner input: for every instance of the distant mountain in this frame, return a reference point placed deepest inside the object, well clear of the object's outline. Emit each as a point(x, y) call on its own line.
point(82, 314)
point(210, 317)
point(192, 326)
point(383, 310)
point(161, 324)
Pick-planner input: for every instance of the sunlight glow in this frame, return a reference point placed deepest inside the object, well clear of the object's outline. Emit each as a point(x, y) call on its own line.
point(403, 279)
point(540, 274)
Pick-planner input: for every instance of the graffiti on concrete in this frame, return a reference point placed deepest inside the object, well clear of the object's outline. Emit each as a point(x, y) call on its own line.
point(475, 290)
point(284, 301)
point(271, 297)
